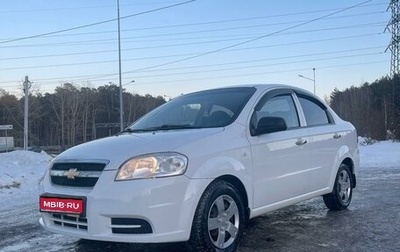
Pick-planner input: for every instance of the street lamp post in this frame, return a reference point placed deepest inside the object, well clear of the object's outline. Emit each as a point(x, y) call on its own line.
point(313, 80)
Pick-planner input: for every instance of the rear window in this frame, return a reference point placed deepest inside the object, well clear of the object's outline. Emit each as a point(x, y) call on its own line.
point(314, 111)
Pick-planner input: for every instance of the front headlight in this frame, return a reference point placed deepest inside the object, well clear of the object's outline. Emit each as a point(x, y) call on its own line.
point(153, 166)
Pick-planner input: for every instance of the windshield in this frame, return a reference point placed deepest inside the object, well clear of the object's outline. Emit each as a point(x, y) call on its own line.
point(205, 109)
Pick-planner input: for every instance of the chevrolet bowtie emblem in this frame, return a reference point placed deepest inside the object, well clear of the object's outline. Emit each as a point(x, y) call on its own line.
point(71, 173)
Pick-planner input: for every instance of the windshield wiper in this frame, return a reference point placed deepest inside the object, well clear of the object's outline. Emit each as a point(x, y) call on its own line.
point(169, 127)
point(162, 127)
point(127, 130)
point(175, 126)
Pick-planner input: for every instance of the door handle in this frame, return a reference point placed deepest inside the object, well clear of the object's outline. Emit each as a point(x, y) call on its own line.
point(301, 142)
point(337, 136)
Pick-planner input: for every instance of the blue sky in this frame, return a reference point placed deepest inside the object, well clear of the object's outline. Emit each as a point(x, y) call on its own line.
point(196, 45)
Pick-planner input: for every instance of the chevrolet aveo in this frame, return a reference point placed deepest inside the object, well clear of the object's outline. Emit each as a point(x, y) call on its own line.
point(198, 167)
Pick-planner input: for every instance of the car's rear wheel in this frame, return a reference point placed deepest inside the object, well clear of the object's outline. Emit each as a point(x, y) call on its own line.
point(342, 193)
point(219, 219)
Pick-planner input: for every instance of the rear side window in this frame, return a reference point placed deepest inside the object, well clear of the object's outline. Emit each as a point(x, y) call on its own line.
point(279, 106)
point(315, 112)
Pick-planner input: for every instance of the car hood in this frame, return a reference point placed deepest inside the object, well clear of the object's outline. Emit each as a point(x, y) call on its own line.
point(117, 149)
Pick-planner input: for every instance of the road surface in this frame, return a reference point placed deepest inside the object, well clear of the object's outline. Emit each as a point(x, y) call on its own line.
point(372, 223)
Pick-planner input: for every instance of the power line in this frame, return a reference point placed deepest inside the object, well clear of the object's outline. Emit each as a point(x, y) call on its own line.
point(94, 24)
point(215, 22)
point(58, 55)
point(212, 30)
point(135, 59)
point(258, 66)
point(249, 40)
point(260, 73)
point(295, 70)
point(240, 67)
point(54, 9)
point(232, 28)
point(247, 75)
point(257, 18)
point(196, 43)
point(272, 59)
point(76, 8)
point(228, 20)
point(187, 54)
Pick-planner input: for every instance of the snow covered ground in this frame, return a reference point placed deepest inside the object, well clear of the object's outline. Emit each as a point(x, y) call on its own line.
point(20, 171)
point(383, 154)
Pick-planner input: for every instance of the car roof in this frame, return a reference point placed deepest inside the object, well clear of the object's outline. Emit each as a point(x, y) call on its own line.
point(266, 87)
point(260, 88)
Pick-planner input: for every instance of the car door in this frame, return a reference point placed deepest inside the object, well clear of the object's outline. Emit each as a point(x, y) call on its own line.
point(281, 159)
point(326, 140)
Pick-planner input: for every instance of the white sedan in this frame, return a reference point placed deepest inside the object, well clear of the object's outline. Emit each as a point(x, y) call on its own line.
point(198, 167)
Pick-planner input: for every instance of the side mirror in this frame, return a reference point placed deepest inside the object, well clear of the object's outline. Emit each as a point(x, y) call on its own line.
point(270, 124)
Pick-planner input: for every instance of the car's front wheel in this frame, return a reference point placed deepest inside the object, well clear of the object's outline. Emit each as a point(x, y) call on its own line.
point(342, 193)
point(219, 219)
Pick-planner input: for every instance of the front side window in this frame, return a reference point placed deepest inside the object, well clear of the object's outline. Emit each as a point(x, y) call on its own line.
point(314, 112)
point(281, 106)
point(205, 109)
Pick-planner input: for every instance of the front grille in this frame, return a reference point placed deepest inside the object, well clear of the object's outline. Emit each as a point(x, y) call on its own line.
point(76, 182)
point(130, 226)
point(76, 174)
point(70, 221)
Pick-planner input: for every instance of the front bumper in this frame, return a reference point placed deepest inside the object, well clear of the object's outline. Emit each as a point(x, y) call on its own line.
point(145, 210)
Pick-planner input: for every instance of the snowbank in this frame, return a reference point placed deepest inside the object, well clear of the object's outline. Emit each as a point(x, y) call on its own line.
point(380, 155)
point(20, 172)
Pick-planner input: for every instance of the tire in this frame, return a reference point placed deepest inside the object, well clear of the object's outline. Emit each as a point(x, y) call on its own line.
point(342, 193)
point(219, 219)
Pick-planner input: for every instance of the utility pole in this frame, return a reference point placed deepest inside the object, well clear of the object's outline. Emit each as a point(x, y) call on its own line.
point(27, 86)
point(394, 27)
point(121, 102)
